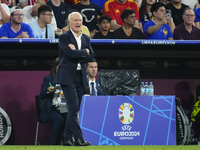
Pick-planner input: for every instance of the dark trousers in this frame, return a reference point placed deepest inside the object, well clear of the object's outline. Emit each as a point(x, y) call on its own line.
point(73, 94)
point(58, 121)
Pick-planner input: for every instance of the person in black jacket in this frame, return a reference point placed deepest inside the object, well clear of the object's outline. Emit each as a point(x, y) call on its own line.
point(54, 110)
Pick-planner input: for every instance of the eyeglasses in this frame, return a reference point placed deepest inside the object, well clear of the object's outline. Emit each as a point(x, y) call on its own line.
point(188, 15)
point(18, 15)
point(49, 15)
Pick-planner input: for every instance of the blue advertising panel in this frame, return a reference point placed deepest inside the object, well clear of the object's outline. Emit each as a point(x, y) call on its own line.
point(128, 120)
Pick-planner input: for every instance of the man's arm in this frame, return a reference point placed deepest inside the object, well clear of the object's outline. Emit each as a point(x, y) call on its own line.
point(114, 25)
point(64, 41)
point(155, 28)
point(4, 13)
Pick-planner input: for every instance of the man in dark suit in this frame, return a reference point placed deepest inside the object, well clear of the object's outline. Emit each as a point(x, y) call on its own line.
point(94, 85)
point(74, 51)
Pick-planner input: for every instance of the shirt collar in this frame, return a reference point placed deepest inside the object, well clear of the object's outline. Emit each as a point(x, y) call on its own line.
point(75, 35)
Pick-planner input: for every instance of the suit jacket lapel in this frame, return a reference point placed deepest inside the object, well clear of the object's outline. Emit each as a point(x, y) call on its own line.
point(73, 39)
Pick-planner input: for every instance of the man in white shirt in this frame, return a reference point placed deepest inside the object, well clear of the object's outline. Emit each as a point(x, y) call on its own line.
point(41, 28)
point(4, 14)
point(31, 13)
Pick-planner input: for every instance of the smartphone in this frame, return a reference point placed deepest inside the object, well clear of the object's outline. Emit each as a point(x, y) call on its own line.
point(168, 13)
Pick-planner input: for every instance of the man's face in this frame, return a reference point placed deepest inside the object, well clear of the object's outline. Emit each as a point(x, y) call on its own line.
point(189, 17)
point(17, 17)
point(121, 1)
point(130, 20)
point(76, 23)
point(47, 17)
point(105, 25)
point(160, 14)
point(92, 69)
point(34, 10)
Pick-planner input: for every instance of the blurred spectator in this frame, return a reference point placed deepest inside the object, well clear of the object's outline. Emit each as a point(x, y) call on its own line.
point(100, 3)
point(4, 14)
point(31, 13)
point(91, 13)
point(158, 28)
point(94, 85)
point(41, 28)
point(164, 1)
point(16, 28)
point(197, 17)
point(23, 3)
point(71, 2)
point(104, 27)
point(177, 9)
point(84, 28)
point(60, 10)
point(145, 11)
point(139, 2)
point(197, 5)
point(190, 3)
point(32, 2)
point(114, 9)
point(127, 31)
point(186, 30)
point(53, 111)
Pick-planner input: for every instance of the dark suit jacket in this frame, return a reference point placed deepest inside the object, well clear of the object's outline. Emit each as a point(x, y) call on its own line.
point(69, 58)
point(47, 108)
point(98, 86)
point(99, 90)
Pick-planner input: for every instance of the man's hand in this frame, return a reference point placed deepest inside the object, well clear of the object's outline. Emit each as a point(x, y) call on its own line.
point(72, 46)
point(164, 21)
point(88, 51)
point(23, 35)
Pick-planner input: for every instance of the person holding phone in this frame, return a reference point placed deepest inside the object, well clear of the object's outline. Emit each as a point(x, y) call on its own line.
point(158, 28)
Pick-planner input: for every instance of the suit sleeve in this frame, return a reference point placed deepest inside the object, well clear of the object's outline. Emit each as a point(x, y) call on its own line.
point(64, 41)
point(43, 92)
point(91, 56)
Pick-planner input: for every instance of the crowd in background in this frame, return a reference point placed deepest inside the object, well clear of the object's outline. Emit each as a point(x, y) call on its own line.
point(102, 19)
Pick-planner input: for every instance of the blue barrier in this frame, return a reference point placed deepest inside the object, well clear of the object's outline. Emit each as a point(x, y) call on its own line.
point(109, 41)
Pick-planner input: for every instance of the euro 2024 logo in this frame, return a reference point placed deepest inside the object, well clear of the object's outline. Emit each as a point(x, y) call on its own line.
point(126, 113)
point(126, 116)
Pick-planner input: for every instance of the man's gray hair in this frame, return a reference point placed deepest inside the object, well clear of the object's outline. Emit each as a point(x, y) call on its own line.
point(73, 13)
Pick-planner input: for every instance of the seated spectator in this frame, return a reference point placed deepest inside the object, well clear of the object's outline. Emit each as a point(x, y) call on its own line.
point(114, 9)
point(53, 95)
point(31, 13)
point(90, 12)
point(41, 27)
point(84, 28)
point(128, 31)
point(16, 28)
point(4, 14)
point(94, 85)
point(60, 10)
point(104, 28)
point(158, 28)
point(177, 9)
point(186, 30)
point(145, 11)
